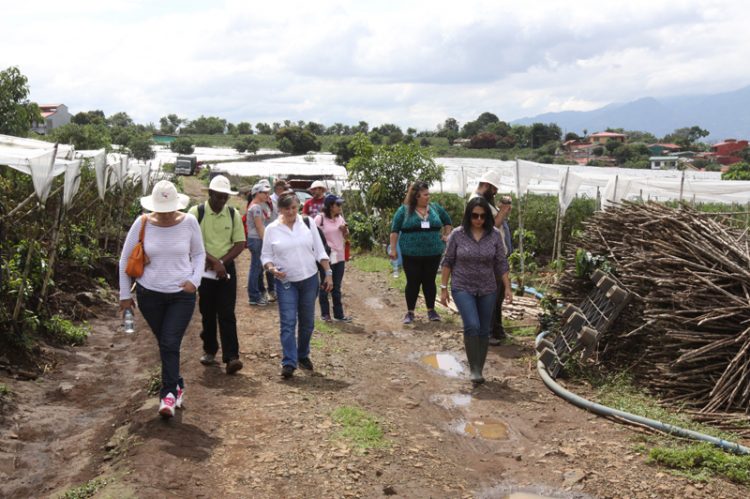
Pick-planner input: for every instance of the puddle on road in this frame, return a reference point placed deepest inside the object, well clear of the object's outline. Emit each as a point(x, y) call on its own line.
point(445, 362)
point(488, 429)
point(452, 401)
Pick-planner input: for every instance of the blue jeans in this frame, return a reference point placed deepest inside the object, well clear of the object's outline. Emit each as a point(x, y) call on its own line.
point(476, 312)
point(338, 307)
point(168, 315)
point(256, 268)
point(296, 312)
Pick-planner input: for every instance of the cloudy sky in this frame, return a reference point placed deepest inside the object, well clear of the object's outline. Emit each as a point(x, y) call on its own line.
point(413, 63)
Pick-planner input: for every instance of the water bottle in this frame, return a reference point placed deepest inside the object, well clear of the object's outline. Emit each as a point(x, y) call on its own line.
point(394, 264)
point(128, 324)
point(284, 282)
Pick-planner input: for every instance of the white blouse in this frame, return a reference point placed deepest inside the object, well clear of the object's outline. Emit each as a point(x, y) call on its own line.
point(293, 251)
point(176, 254)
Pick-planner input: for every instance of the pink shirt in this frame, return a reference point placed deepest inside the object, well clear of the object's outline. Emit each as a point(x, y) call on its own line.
point(334, 236)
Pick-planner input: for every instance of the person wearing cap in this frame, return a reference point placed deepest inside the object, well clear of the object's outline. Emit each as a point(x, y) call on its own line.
point(176, 257)
point(332, 223)
point(489, 184)
point(224, 238)
point(279, 186)
point(315, 204)
point(258, 217)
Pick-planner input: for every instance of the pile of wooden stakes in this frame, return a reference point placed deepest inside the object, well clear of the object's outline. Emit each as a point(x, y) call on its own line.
point(686, 332)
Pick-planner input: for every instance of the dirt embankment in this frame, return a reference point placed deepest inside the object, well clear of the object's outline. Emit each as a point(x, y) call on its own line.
point(255, 435)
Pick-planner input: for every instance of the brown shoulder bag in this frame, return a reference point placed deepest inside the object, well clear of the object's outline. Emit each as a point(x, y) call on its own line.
point(138, 259)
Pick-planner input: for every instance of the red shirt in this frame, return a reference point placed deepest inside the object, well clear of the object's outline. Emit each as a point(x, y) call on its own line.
point(313, 206)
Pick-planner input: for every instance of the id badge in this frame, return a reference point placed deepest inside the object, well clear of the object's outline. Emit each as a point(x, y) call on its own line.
point(425, 224)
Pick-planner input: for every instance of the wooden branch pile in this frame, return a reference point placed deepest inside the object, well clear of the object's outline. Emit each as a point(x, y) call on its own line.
point(687, 331)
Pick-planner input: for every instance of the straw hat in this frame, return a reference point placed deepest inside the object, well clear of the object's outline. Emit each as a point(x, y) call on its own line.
point(164, 198)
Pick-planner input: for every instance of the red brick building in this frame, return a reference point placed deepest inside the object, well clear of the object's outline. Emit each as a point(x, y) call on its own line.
point(727, 152)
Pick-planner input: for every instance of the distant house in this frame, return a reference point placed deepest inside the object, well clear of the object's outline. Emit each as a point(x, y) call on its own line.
point(54, 115)
point(664, 162)
point(727, 152)
point(601, 138)
point(663, 149)
point(461, 142)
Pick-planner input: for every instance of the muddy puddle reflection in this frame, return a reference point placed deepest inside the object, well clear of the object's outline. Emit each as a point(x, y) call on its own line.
point(452, 401)
point(488, 429)
point(445, 362)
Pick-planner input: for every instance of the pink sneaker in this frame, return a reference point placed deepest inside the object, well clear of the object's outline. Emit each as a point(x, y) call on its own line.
point(166, 406)
point(180, 394)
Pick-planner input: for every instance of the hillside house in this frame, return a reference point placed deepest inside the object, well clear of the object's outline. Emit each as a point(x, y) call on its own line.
point(601, 138)
point(54, 115)
point(728, 152)
point(664, 162)
point(663, 149)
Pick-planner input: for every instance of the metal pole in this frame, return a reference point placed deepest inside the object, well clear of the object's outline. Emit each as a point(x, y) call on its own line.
point(682, 184)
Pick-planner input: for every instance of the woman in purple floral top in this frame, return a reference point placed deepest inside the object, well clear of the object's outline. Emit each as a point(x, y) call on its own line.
point(472, 250)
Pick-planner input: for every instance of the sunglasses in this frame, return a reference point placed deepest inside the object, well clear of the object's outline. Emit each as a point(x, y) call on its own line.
point(477, 216)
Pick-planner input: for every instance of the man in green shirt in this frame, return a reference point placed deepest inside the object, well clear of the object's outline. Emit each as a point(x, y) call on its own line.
point(224, 239)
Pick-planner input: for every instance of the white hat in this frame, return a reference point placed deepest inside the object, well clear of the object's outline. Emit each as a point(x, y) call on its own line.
point(221, 184)
point(164, 198)
point(318, 183)
point(260, 187)
point(492, 178)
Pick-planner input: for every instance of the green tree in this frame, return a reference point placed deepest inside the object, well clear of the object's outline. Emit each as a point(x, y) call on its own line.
point(315, 128)
point(182, 145)
point(302, 140)
point(263, 128)
point(169, 123)
point(247, 144)
point(17, 113)
point(685, 137)
point(208, 125)
point(384, 173)
point(121, 120)
point(361, 127)
point(245, 128)
point(542, 134)
point(341, 148)
point(285, 145)
point(95, 117)
point(83, 136)
point(737, 171)
point(140, 147)
point(448, 127)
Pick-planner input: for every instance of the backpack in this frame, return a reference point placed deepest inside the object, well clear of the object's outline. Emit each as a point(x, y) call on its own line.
point(202, 213)
point(306, 219)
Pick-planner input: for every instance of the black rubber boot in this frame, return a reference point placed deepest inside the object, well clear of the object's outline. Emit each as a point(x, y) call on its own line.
point(476, 352)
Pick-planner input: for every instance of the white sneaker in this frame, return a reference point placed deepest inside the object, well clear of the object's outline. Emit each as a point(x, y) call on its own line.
point(208, 360)
point(180, 394)
point(166, 406)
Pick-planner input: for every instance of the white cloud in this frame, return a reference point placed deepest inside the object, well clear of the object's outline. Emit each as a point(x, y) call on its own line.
point(411, 63)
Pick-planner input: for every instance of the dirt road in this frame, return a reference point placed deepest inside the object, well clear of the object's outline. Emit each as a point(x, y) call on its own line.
point(90, 420)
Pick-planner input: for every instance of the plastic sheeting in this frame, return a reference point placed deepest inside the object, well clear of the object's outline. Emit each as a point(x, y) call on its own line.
point(677, 189)
point(72, 181)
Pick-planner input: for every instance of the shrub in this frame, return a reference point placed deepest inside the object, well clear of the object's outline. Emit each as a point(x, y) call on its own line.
point(65, 331)
point(182, 145)
point(362, 230)
point(453, 204)
point(484, 140)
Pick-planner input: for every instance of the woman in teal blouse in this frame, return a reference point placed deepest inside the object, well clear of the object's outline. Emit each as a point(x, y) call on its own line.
point(420, 228)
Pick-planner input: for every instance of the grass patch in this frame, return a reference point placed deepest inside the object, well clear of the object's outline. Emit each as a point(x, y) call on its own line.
point(317, 343)
point(4, 390)
point(359, 427)
point(699, 461)
point(153, 382)
point(86, 490)
point(520, 330)
point(325, 328)
point(66, 331)
point(371, 263)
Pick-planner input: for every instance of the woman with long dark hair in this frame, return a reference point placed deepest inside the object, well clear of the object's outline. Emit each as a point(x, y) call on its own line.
point(423, 228)
point(473, 249)
point(291, 248)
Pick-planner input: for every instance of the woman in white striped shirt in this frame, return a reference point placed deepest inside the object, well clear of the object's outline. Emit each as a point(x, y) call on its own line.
point(166, 291)
point(291, 247)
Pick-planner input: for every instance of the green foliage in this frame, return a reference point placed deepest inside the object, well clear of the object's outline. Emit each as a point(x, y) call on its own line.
point(153, 381)
point(4, 390)
point(209, 125)
point(17, 113)
point(359, 427)
point(169, 123)
point(140, 147)
point(88, 489)
point(94, 136)
point(301, 140)
point(586, 264)
point(737, 171)
point(384, 173)
point(65, 331)
point(182, 145)
point(685, 137)
point(362, 230)
point(453, 204)
point(248, 144)
point(95, 117)
point(703, 458)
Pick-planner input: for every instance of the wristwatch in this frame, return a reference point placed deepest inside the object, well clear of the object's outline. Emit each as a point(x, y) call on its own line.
point(329, 272)
point(443, 286)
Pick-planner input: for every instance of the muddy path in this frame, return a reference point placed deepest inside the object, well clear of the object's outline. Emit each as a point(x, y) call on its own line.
point(255, 435)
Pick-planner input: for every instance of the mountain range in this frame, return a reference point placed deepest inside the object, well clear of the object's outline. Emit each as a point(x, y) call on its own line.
point(725, 115)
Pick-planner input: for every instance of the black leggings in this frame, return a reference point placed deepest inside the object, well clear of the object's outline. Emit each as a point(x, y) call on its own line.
point(420, 271)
